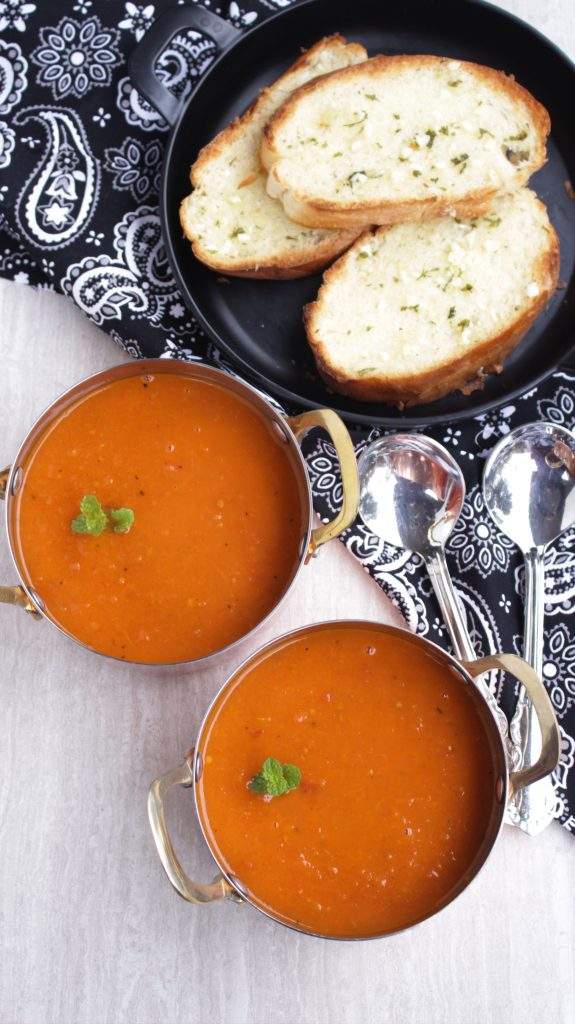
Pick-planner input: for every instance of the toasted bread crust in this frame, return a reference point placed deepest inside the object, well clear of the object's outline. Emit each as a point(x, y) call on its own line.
point(310, 217)
point(468, 372)
point(299, 262)
point(351, 212)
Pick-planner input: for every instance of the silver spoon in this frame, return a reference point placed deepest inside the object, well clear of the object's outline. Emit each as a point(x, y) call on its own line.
point(529, 489)
point(411, 495)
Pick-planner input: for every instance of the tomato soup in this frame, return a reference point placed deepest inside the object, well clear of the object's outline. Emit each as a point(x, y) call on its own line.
point(397, 781)
point(219, 516)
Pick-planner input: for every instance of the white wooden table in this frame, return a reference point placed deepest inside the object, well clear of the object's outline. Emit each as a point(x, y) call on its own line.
point(90, 930)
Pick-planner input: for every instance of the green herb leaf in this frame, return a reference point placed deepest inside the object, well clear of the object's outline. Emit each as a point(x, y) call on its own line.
point(123, 519)
point(92, 518)
point(275, 778)
point(292, 775)
point(258, 784)
point(520, 137)
point(414, 308)
point(362, 117)
point(460, 161)
point(79, 525)
point(356, 176)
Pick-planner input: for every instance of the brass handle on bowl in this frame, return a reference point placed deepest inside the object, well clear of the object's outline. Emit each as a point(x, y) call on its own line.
point(15, 595)
point(339, 435)
point(550, 738)
point(18, 596)
point(192, 891)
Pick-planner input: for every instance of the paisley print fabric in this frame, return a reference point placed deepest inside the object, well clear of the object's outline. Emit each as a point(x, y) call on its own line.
point(73, 129)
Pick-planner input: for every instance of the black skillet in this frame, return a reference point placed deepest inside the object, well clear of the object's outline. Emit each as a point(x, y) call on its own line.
point(258, 323)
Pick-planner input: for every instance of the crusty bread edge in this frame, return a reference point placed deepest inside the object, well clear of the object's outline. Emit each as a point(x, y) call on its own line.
point(271, 159)
point(468, 372)
point(411, 210)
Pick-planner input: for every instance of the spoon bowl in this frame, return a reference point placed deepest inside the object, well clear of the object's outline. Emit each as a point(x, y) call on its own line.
point(529, 484)
point(412, 491)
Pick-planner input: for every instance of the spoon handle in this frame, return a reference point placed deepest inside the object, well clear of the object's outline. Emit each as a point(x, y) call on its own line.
point(534, 805)
point(534, 609)
point(457, 628)
point(449, 605)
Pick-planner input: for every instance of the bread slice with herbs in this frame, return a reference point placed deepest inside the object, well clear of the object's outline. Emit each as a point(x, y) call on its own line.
point(402, 138)
point(414, 311)
point(233, 224)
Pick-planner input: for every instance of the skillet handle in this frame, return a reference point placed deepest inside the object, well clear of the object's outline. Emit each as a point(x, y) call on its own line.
point(339, 436)
point(550, 738)
point(142, 62)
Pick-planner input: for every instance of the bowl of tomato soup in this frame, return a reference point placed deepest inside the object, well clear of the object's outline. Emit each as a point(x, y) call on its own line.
point(159, 511)
point(350, 780)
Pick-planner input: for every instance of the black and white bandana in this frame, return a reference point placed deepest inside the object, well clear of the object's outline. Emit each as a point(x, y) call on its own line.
point(80, 160)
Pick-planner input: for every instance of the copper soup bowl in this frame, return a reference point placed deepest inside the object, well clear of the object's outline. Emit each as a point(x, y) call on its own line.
point(291, 429)
point(506, 783)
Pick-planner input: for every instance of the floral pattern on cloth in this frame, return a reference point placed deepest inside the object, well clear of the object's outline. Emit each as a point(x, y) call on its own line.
point(80, 163)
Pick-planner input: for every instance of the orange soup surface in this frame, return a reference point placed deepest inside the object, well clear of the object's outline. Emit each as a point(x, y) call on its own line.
point(219, 517)
point(397, 781)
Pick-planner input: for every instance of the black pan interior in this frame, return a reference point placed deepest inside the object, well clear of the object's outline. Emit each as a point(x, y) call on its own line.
point(259, 323)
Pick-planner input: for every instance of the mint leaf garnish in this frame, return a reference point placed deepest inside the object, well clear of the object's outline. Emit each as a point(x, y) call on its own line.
point(292, 775)
point(94, 519)
point(275, 778)
point(123, 519)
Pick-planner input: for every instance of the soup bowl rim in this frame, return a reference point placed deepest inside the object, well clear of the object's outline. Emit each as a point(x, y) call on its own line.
point(137, 368)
